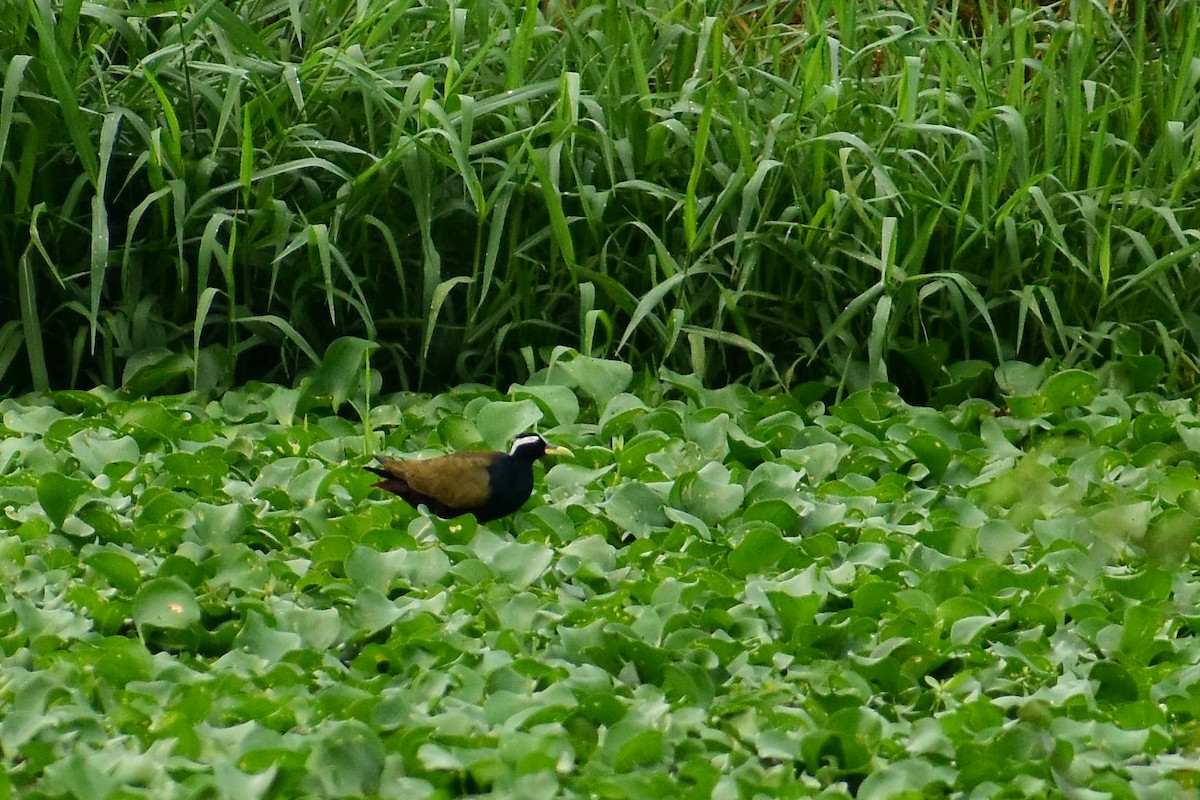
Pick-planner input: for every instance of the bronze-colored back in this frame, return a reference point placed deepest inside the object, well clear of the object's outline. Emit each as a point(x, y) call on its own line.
point(458, 481)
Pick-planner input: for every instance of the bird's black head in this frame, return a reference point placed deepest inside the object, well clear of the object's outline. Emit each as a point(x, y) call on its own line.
point(531, 447)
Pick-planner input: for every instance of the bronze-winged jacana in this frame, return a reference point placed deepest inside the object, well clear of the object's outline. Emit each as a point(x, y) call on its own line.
point(489, 485)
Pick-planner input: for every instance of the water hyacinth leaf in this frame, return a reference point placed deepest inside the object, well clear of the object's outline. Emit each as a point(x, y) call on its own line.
point(590, 556)
point(746, 449)
point(347, 760)
point(266, 759)
point(630, 743)
point(967, 629)
point(1020, 378)
point(1172, 534)
point(375, 570)
point(1070, 388)
point(58, 495)
point(90, 402)
point(148, 422)
point(558, 403)
point(620, 412)
point(760, 548)
point(457, 432)
point(96, 452)
point(240, 568)
point(519, 613)
point(777, 513)
point(500, 422)
point(689, 683)
point(932, 452)
point(874, 555)
point(459, 530)
point(633, 456)
point(709, 493)
point(1140, 626)
point(220, 524)
point(1153, 428)
point(282, 402)
point(868, 409)
point(78, 775)
point(998, 538)
point(954, 609)
point(1190, 436)
point(918, 777)
point(554, 522)
point(423, 567)
point(262, 640)
point(434, 757)
point(827, 749)
point(1147, 585)
point(332, 547)
point(1113, 683)
point(521, 564)
point(818, 461)
point(1027, 406)
point(1121, 522)
point(119, 569)
point(232, 782)
point(964, 379)
point(709, 428)
point(120, 659)
point(374, 611)
point(35, 419)
point(635, 508)
point(598, 378)
point(166, 603)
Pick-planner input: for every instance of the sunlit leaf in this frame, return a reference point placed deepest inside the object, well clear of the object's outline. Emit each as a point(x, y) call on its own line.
point(166, 603)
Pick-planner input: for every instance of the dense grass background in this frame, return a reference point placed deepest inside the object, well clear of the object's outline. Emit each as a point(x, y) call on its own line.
point(197, 194)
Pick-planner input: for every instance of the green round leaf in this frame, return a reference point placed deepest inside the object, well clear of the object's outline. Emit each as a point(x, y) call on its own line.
point(709, 493)
point(775, 512)
point(932, 452)
point(1071, 388)
point(58, 495)
point(166, 603)
point(620, 412)
point(118, 568)
point(558, 403)
point(1114, 684)
point(598, 378)
point(759, 549)
point(501, 422)
point(1019, 378)
point(1152, 428)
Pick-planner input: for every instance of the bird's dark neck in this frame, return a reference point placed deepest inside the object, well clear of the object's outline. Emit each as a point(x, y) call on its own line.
point(511, 480)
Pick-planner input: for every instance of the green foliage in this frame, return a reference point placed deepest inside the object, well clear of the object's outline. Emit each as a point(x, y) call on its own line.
point(197, 195)
point(725, 593)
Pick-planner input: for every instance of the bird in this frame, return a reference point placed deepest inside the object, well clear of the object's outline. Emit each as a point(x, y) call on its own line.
point(488, 484)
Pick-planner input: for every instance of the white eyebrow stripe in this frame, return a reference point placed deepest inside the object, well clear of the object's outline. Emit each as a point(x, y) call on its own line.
point(520, 441)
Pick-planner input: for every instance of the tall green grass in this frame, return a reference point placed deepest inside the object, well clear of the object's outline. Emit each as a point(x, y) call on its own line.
point(198, 194)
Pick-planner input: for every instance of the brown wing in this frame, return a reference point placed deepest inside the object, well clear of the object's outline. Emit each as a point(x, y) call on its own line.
point(458, 481)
